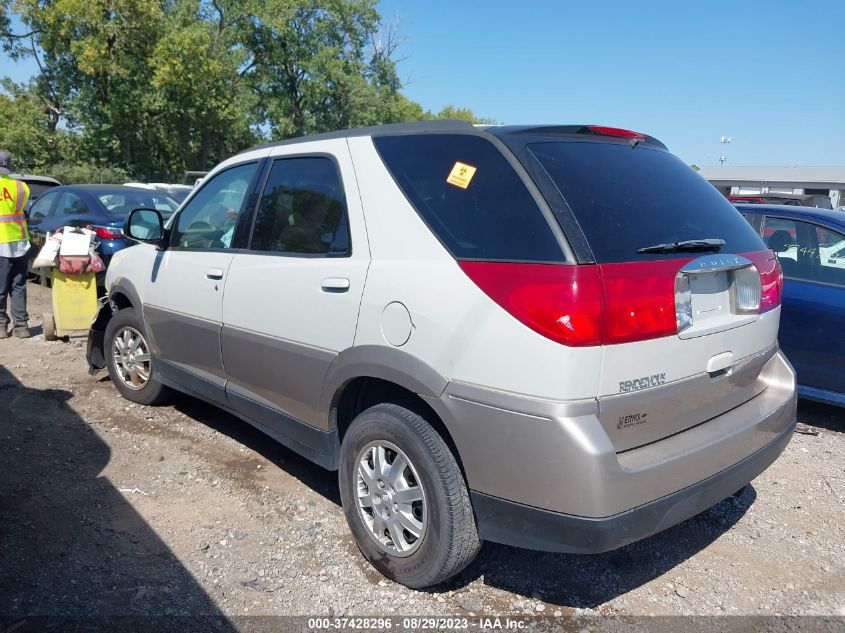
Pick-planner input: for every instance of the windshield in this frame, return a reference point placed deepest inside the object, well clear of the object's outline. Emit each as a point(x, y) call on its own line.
point(628, 198)
point(122, 202)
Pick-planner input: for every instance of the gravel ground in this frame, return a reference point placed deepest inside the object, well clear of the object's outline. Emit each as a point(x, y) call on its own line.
point(111, 508)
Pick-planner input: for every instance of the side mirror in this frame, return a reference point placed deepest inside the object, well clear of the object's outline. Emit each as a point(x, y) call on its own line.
point(145, 225)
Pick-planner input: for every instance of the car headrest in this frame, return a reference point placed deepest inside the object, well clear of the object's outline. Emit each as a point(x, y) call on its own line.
point(780, 241)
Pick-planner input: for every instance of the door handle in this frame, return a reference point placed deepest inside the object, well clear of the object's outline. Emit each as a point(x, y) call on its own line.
point(335, 284)
point(214, 273)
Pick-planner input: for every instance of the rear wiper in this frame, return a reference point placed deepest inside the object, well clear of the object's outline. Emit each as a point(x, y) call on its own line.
point(684, 246)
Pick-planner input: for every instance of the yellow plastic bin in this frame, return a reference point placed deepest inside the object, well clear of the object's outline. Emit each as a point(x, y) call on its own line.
point(74, 305)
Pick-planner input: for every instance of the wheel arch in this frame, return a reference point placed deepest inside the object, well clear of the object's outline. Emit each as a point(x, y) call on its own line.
point(365, 376)
point(377, 363)
point(122, 294)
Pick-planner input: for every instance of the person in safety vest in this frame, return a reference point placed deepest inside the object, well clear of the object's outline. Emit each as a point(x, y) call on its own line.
point(14, 244)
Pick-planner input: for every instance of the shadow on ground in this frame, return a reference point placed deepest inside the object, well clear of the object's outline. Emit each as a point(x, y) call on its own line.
point(570, 580)
point(821, 415)
point(70, 543)
point(315, 477)
point(561, 579)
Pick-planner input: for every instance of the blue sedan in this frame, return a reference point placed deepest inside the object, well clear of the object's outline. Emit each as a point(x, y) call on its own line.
point(103, 208)
point(810, 246)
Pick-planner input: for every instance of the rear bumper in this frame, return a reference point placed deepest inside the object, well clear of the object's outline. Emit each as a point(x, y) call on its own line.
point(520, 525)
point(546, 475)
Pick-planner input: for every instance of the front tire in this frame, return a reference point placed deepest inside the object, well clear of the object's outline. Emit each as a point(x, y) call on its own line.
point(404, 497)
point(129, 360)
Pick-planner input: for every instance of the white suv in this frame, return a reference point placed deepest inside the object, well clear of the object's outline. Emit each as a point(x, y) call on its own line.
point(560, 338)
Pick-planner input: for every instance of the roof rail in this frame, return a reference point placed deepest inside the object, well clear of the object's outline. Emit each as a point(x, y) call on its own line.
point(388, 128)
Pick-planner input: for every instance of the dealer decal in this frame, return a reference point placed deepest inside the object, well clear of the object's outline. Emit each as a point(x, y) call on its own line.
point(632, 420)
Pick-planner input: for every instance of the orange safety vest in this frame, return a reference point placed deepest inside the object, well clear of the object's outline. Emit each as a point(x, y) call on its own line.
point(13, 197)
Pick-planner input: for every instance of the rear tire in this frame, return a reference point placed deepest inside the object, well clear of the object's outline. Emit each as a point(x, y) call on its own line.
point(129, 359)
point(436, 536)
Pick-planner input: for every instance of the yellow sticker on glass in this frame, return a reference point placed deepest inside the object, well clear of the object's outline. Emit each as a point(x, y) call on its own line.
point(461, 175)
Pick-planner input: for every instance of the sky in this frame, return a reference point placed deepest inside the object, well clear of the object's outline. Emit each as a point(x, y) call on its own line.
point(768, 74)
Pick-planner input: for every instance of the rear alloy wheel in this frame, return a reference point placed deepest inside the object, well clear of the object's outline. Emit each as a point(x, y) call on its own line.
point(129, 360)
point(391, 501)
point(405, 498)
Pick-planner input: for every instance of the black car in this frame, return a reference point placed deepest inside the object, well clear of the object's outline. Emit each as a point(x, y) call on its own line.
point(38, 186)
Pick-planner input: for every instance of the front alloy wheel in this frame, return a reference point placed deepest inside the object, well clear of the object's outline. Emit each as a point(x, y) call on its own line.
point(131, 358)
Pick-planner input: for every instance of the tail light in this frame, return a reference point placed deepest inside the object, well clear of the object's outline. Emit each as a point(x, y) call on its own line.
point(584, 305)
point(640, 300)
point(108, 232)
point(563, 303)
point(614, 131)
point(771, 279)
point(608, 304)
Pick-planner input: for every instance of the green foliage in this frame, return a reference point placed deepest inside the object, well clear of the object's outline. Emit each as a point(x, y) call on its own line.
point(26, 131)
point(157, 87)
point(84, 172)
point(462, 114)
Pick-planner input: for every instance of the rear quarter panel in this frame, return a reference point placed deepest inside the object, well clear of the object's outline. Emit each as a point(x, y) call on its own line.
point(456, 328)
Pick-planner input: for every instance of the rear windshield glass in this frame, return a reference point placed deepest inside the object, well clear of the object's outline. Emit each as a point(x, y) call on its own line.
point(121, 203)
point(628, 198)
point(470, 197)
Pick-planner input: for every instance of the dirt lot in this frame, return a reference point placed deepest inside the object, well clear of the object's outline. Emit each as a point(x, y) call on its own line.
point(111, 508)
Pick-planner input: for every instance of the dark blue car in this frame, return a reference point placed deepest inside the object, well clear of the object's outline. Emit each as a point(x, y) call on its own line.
point(810, 245)
point(104, 208)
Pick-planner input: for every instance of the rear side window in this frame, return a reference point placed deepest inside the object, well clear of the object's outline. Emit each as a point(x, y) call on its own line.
point(302, 210)
point(470, 197)
point(628, 198)
point(71, 204)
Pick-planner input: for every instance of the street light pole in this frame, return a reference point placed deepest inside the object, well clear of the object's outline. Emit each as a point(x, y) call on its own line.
point(725, 140)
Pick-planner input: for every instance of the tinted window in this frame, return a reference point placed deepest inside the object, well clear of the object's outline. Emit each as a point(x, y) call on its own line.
point(42, 206)
point(70, 205)
point(302, 209)
point(487, 213)
point(626, 198)
point(209, 219)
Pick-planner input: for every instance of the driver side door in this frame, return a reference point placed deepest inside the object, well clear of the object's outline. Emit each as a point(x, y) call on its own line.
point(183, 299)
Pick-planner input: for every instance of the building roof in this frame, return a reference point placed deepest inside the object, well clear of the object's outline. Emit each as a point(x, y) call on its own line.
point(731, 174)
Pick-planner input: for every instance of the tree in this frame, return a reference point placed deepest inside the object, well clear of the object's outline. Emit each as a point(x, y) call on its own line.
point(26, 129)
point(157, 87)
point(462, 114)
point(199, 105)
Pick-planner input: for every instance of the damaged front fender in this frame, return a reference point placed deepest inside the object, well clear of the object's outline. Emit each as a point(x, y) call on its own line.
point(95, 353)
